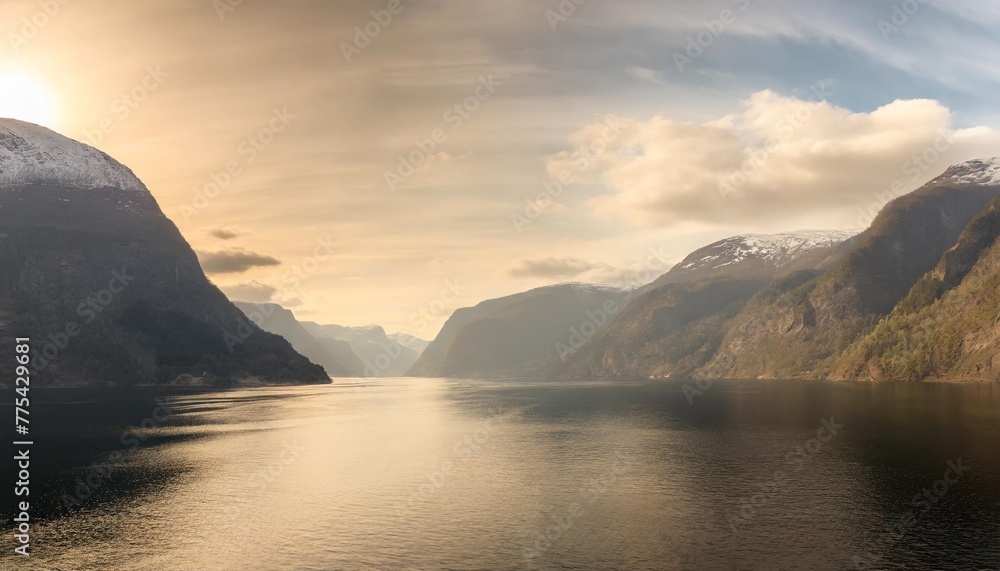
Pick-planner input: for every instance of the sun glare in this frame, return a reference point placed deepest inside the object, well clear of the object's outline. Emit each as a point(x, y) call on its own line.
point(24, 97)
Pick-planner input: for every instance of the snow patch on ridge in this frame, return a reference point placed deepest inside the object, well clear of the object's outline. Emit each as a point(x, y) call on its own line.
point(979, 171)
point(609, 288)
point(777, 249)
point(30, 154)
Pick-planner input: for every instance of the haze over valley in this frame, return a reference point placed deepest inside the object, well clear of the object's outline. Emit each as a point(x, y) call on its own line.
point(623, 285)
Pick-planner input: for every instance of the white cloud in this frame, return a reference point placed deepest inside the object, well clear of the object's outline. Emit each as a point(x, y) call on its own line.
point(778, 158)
point(252, 291)
point(645, 74)
point(553, 268)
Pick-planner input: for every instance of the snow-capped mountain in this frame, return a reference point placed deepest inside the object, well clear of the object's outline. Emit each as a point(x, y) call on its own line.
point(777, 249)
point(805, 333)
point(31, 154)
point(86, 247)
point(669, 326)
point(598, 287)
point(979, 171)
point(754, 256)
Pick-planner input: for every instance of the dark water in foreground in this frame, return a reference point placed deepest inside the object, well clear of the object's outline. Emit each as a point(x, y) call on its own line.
point(453, 474)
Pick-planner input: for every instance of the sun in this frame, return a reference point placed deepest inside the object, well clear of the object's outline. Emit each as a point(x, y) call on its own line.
point(24, 97)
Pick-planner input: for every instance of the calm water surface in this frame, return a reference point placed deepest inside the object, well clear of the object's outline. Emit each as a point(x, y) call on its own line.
point(456, 474)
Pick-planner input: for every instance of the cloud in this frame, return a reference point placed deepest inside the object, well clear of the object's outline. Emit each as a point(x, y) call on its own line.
point(234, 261)
point(777, 158)
point(323, 175)
point(550, 268)
point(556, 268)
point(226, 232)
point(258, 292)
point(288, 302)
point(645, 74)
point(252, 291)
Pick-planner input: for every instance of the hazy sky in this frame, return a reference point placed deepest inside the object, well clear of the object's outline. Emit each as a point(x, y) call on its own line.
point(593, 140)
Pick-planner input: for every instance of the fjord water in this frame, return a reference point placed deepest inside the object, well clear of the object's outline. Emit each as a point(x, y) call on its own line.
point(464, 474)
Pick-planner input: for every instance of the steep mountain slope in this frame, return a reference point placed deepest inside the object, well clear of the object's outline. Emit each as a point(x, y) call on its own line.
point(674, 325)
point(335, 356)
point(755, 255)
point(948, 326)
point(105, 285)
point(380, 355)
point(802, 328)
point(518, 335)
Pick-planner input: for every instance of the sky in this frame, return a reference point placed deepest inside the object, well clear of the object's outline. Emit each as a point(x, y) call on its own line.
point(390, 161)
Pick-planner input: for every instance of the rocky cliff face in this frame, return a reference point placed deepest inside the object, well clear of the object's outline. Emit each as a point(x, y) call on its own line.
point(801, 328)
point(104, 284)
point(675, 324)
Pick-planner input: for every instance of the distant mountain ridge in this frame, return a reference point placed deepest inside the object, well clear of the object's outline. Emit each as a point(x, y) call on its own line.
point(344, 351)
point(335, 356)
point(912, 297)
point(673, 326)
point(380, 355)
point(520, 334)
